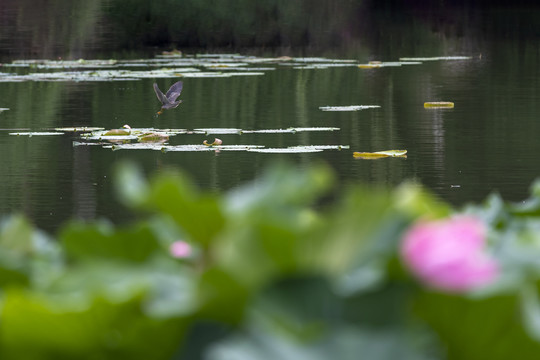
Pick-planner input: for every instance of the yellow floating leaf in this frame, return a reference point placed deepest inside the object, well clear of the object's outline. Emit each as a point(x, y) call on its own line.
point(380, 154)
point(369, 66)
point(438, 104)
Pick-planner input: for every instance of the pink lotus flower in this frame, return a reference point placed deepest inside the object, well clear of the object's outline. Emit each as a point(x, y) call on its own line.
point(180, 249)
point(449, 254)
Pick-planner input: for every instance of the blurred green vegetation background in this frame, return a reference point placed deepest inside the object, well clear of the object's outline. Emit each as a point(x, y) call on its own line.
point(277, 271)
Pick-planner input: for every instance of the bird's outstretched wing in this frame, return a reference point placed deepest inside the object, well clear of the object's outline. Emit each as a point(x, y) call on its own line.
point(161, 97)
point(174, 91)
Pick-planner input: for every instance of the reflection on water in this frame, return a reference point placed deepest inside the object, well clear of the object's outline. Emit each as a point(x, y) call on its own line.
point(486, 143)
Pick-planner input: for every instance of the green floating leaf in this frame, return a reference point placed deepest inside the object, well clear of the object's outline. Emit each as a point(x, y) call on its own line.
point(153, 137)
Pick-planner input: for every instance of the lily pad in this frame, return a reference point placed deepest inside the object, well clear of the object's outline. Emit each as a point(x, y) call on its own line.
point(211, 148)
point(124, 131)
point(153, 137)
point(88, 143)
point(348, 108)
point(132, 133)
point(36, 133)
point(326, 147)
point(4, 109)
point(213, 131)
point(79, 129)
point(291, 130)
point(435, 58)
point(288, 150)
point(380, 154)
point(135, 146)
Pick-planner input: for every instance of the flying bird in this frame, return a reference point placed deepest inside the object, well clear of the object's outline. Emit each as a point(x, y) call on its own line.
point(168, 100)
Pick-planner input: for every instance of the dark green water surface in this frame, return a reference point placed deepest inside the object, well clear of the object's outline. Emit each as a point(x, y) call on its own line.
point(488, 142)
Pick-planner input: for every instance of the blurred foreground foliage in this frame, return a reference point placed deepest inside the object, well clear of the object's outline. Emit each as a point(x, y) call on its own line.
point(276, 273)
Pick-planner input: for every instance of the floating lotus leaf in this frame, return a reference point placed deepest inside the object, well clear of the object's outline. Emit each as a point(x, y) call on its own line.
point(88, 143)
point(226, 65)
point(153, 137)
point(289, 130)
point(269, 131)
point(348, 108)
point(124, 131)
point(326, 147)
point(79, 128)
point(246, 73)
point(189, 148)
point(288, 150)
point(3, 109)
point(435, 58)
point(36, 133)
point(212, 131)
point(112, 138)
point(135, 146)
point(380, 154)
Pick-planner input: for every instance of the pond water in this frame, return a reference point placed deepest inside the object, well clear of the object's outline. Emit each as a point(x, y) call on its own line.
point(487, 142)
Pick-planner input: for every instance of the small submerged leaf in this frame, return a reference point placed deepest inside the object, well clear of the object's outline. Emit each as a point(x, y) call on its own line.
point(348, 108)
point(380, 154)
point(439, 105)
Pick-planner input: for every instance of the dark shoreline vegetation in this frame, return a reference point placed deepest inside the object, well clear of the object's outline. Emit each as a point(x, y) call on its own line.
point(118, 27)
point(257, 273)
